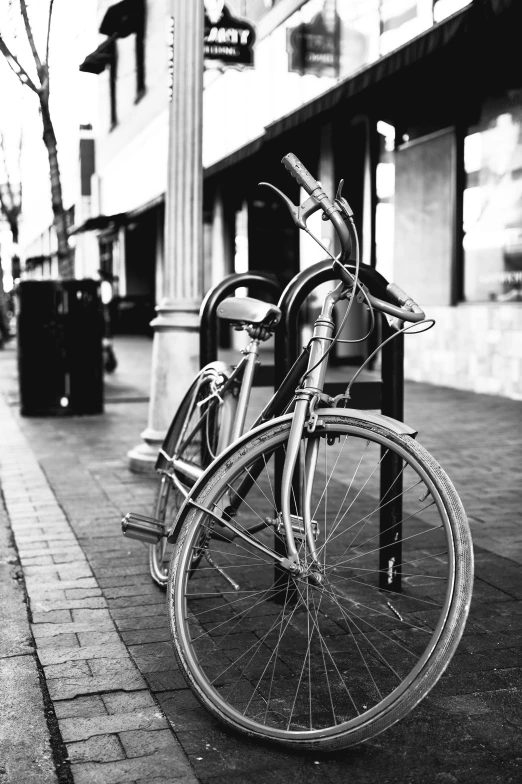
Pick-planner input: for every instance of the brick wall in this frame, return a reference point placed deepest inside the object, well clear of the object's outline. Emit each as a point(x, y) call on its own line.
point(476, 347)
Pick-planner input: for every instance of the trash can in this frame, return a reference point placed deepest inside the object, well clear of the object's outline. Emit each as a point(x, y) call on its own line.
point(60, 330)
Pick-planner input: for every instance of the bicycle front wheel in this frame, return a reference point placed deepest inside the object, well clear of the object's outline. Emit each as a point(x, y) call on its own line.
point(199, 430)
point(331, 657)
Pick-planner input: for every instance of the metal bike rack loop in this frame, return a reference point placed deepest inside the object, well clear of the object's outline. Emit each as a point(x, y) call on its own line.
point(209, 335)
point(386, 395)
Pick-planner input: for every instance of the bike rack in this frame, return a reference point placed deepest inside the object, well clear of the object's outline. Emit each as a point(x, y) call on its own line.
point(386, 395)
point(209, 335)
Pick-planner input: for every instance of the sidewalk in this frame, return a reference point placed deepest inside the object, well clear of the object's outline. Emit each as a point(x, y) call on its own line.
point(113, 707)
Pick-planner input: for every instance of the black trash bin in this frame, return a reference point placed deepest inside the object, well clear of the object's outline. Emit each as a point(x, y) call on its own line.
point(60, 330)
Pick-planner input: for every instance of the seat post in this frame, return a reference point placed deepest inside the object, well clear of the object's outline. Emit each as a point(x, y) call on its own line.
point(251, 351)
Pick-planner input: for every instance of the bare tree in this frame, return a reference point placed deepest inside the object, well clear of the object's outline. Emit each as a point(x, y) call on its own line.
point(10, 195)
point(40, 86)
point(10, 208)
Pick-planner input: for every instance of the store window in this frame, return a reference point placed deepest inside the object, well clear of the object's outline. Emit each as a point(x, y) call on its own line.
point(445, 8)
point(492, 207)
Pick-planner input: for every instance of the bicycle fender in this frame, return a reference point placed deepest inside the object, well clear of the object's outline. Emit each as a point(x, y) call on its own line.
point(400, 428)
point(219, 367)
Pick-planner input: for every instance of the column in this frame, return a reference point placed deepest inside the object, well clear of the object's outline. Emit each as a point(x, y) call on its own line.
point(175, 352)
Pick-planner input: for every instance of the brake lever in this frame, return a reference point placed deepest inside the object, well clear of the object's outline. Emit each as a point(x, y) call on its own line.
point(299, 214)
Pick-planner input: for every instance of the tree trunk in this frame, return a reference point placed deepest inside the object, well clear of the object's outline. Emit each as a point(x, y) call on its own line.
point(4, 324)
point(65, 262)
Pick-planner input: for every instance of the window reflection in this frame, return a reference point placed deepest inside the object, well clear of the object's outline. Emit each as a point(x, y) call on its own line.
point(493, 204)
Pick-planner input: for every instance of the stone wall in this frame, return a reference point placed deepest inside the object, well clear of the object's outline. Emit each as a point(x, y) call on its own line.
point(472, 346)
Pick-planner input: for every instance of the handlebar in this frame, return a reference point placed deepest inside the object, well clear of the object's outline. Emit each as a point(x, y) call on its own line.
point(331, 209)
point(405, 309)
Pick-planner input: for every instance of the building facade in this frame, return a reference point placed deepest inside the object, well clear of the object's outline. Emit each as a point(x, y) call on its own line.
point(417, 104)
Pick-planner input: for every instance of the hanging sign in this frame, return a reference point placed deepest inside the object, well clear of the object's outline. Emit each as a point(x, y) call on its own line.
point(227, 39)
point(315, 47)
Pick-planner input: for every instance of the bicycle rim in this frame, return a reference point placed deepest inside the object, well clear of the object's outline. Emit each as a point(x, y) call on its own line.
point(332, 664)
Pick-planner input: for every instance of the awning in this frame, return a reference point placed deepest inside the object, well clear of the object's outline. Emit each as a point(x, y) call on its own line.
point(97, 61)
point(149, 205)
point(100, 222)
point(124, 18)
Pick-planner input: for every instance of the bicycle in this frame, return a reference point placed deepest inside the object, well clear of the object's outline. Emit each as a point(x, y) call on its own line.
point(314, 649)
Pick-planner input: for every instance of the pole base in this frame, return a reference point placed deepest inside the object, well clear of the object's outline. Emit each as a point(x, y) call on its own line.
point(142, 459)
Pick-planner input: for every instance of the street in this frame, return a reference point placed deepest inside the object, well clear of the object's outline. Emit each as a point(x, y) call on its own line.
point(111, 706)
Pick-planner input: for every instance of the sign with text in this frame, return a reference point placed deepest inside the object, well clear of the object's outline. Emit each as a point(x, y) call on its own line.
point(315, 47)
point(227, 39)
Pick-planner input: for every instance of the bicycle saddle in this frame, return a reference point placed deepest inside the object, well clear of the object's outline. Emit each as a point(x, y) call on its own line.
point(247, 310)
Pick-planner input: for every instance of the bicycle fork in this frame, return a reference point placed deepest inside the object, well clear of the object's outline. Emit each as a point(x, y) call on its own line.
point(304, 418)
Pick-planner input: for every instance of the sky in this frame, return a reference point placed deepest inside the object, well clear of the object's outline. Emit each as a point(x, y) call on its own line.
point(73, 100)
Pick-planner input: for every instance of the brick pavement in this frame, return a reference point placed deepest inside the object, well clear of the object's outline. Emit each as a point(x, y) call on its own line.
point(102, 635)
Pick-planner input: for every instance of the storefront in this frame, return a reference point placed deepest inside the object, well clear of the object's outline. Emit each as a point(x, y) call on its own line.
point(428, 137)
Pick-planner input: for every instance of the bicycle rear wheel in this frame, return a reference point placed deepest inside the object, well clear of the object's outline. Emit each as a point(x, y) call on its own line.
point(321, 662)
point(196, 436)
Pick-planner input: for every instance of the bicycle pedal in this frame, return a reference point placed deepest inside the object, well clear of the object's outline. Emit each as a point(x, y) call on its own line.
point(298, 527)
point(145, 529)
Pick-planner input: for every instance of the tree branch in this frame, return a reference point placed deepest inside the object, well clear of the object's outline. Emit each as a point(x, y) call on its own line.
point(30, 38)
point(8, 183)
point(15, 66)
point(48, 33)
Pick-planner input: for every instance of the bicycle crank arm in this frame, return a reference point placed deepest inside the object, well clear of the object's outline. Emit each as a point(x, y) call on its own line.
point(284, 562)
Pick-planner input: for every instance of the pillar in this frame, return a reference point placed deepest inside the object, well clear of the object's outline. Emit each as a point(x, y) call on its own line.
point(175, 352)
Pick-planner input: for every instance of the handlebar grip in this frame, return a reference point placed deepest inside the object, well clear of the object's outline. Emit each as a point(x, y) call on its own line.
point(406, 303)
point(396, 293)
point(299, 172)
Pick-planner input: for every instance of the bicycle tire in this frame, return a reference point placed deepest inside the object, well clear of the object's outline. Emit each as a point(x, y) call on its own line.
point(373, 654)
point(199, 451)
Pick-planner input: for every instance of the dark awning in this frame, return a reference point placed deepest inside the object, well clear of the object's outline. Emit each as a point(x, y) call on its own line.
point(97, 61)
point(122, 19)
point(100, 222)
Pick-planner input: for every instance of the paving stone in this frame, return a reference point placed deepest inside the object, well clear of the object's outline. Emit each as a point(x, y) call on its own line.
point(68, 669)
point(59, 655)
point(138, 743)
point(69, 604)
point(507, 703)
point(165, 681)
point(148, 768)
point(44, 630)
point(497, 734)
point(76, 728)
point(67, 688)
point(158, 634)
point(59, 641)
point(102, 748)
point(149, 664)
point(184, 711)
point(99, 638)
point(85, 614)
point(83, 707)
point(105, 668)
point(145, 622)
point(127, 702)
